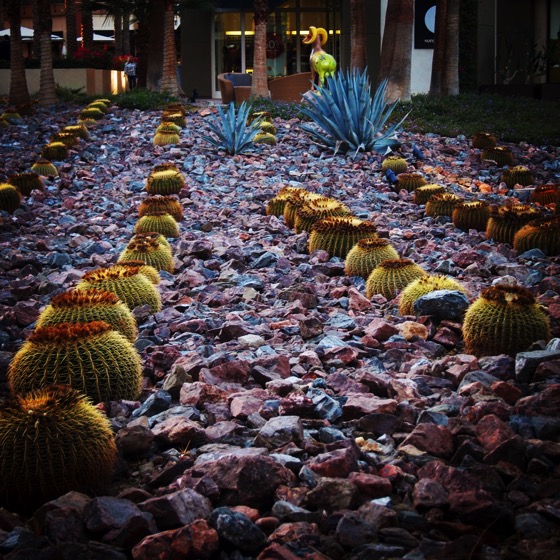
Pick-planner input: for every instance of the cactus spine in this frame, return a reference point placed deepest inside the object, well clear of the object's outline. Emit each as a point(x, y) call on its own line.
point(422, 286)
point(471, 215)
point(390, 276)
point(504, 320)
point(543, 234)
point(89, 357)
point(367, 254)
point(148, 271)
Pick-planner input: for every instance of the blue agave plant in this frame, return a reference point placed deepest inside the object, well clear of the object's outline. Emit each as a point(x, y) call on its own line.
point(350, 119)
point(233, 134)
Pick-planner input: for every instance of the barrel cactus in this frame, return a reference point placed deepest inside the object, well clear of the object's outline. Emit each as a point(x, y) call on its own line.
point(367, 254)
point(55, 150)
point(262, 116)
point(545, 194)
point(504, 223)
point(176, 118)
point(543, 234)
point(176, 108)
point(392, 275)
point(87, 122)
point(166, 138)
point(442, 204)
point(294, 203)
point(504, 320)
point(158, 203)
point(166, 182)
point(90, 357)
point(145, 247)
point(424, 285)
point(45, 168)
point(518, 175)
point(471, 215)
point(130, 286)
point(168, 127)
point(25, 183)
point(268, 127)
point(422, 194)
point(148, 271)
point(410, 181)
point(67, 138)
point(277, 204)
point(500, 154)
point(91, 113)
point(338, 234)
point(10, 198)
point(4, 123)
point(315, 210)
point(12, 116)
point(483, 140)
point(77, 306)
point(162, 222)
point(265, 138)
point(77, 130)
point(98, 105)
point(395, 163)
point(53, 441)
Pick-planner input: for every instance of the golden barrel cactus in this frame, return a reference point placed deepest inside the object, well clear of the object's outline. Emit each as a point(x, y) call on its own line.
point(277, 204)
point(395, 163)
point(367, 254)
point(158, 203)
point(150, 249)
point(504, 320)
point(165, 181)
point(265, 138)
point(483, 140)
point(543, 234)
point(501, 155)
point(294, 203)
point(175, 117)
point(10, 198)
point(45, 168)
point(148, 271)
point(442, 204)
point(67, 138)
point(90, 357)
point(504, 223)
point(162, 222)
point(471, 215)
point(25, 183)
point(315, 210)
point(53, 441)
point(517, 175)
point(391, 276)
point(422, 194)
point(168, 127)
point(55, 150)
point(78, 306)
point(78, 130)
point(545, 194)
point(164, 138)
point(93, 113)
point(410, 181)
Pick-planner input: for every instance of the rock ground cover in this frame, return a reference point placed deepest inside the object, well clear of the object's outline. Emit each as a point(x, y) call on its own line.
point(285, 415)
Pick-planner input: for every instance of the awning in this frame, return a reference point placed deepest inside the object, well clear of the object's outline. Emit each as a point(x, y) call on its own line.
point(27, 34)
point(97, 37)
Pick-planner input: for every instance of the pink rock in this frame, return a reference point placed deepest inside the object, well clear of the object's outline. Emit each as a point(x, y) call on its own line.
point(359, 405)
point(431, 438)
point(178, 430)
point(236, 371)
point(371, 485)
point(492, 432)
point(242, 406)
point(198, 394)
point(506, 391)
point(381, 330)
point(429, 493)
point(545, 403)
point(299, 532)
point(357, 301)
point(335, 464)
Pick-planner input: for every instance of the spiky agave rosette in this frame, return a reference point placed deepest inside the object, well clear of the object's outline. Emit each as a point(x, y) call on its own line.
point(277, 204)
point(162, 222)
point(338, 234)
point(10, 198)
point(392, 275)
point(424, 285)
point(76, 306)
point(45, 168)
point(507, 220)
point(504, 320)
point(165, 181)
point(545, 194)
point(410, 181)
point(517, 175)
point(150, 249)
point(53, 441)
point(90, 357)
point(543, 234)
point(25, 183)
point(442, 204)
point(158, 203)
point(127, 282)
point(471, 215)
point(422, 194)
point(314, 210)
point(367, 254)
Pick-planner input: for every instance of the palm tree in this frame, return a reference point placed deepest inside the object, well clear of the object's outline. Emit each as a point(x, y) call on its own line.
point(169, 69)
point(396, 49)
point(71, 31)
point(358, 58)
point(47, 88)
point(19, 94)
point(87, 25)
point(445, 65)
point(259, 84)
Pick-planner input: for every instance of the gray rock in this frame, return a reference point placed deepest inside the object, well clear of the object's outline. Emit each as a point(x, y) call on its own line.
point(526, 363)
point(279, 431)
point(442, 304)
point(237, 529)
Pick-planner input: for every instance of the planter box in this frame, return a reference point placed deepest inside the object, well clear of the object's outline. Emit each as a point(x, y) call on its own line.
point(91, 80)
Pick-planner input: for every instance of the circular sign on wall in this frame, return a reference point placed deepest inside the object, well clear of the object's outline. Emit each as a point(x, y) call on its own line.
point(424, 23)
point(430, 19)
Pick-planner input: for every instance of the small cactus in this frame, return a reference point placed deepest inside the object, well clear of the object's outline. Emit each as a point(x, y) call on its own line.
point(393, 275)
point(13, 117)
point(53, 441)
point(422, 194)
point(543, 234)
point(93, 113)
point(410, 181)
point(518, 175)
point(338, 234)
point(67, 138)
point(127, 282)
point(166, 138)
point(89, 357)
point(315, 210)
point(265, 116)
point(162, 222)
point(168, 127)
point(98, 105)
point(166, 182)
point(77, 130)
point(471, 215)
point(174, 117)
point(4, 123)
point(500, 154)
point(88, 123)
point(504, 320)
point(397, 164)
point(148, 271)
point(507, 220)
point(157, 203)
point(366, 255)
point(442, 204)
point(483, 140)
point(267, 126)
point(277, 205)
point(294, 203)
point(422, 286)
point(107, 102)
point(45, 168)
point(10, 198)
point(265, 138)
point(545, 194)
point(150, 249)
point(175, 108)
point(76, 306)
point(55, 150)
point(25, 183)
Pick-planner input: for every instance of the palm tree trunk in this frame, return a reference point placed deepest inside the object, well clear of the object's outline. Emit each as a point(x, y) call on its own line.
point(169, 71)
point(47, 88)
point(126, 32)
point(19, 94)
point(396, 51)
point(155, 44)
point(87, 25)
point(259, 84)
point(118, 28)
point(445, 64)
point(36, 46)
point(71, 31)
point(358, 58)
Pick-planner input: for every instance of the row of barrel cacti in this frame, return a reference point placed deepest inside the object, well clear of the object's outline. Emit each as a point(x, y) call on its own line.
point(81, 352)
point(504, 319)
